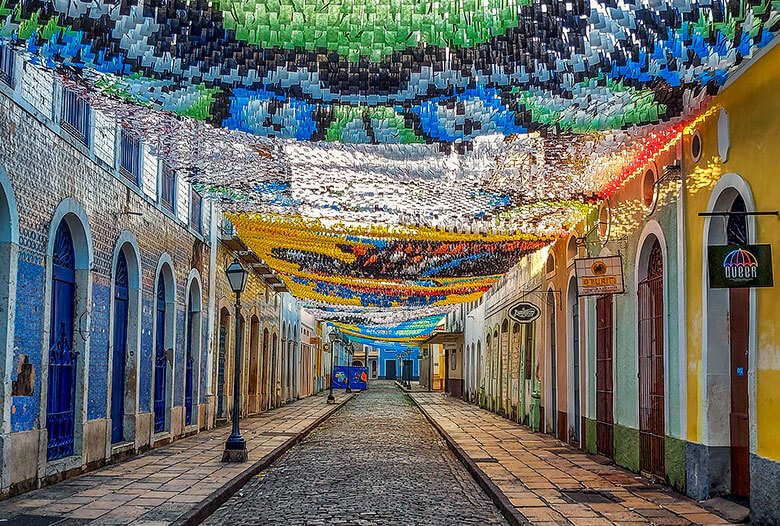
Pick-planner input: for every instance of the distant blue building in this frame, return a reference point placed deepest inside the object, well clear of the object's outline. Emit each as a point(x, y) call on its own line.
point(391, 360)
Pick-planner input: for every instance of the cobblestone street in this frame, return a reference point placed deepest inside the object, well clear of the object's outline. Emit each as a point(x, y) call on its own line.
point(376, 461)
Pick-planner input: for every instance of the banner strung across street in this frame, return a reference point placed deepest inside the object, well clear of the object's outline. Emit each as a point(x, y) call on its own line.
point(597, 276)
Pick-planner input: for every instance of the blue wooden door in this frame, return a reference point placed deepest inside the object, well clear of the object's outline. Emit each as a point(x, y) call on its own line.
point(188, 362)
point(221, 371)
point(160, 364)
point(60, 412)
point(120, 348)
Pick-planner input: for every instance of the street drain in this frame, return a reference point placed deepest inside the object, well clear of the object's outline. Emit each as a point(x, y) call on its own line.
point(588, 497)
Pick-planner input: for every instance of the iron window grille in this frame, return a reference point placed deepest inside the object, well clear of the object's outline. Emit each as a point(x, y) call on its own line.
point(75, 115)
point(196, 210)
point(7, 65)
point(168, 187)
point(130, 157)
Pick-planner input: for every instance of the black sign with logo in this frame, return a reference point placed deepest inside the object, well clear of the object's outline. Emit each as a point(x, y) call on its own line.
point(525, 312)
point(740, 266)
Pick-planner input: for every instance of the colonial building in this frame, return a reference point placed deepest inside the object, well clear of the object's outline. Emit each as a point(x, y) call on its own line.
point(674, 376)
point(106, 262)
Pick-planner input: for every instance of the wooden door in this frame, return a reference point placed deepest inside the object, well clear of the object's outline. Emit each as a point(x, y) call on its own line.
point(739, 418)
point(553, 362)
point(120, 346)
point(604, 410)
point(575, 326)
point(651, 366)
point(739, 323)
point(390, 369)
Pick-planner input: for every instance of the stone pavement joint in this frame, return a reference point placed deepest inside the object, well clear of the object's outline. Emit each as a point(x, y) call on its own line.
point(181, 483)
point(534, 479)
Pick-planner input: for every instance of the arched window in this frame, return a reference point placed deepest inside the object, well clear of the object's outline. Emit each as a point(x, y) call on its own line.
point(160, 361)
point(121, 305)
point(736, 226)
point(60, 413)
point(571, 249)
point(550, 266)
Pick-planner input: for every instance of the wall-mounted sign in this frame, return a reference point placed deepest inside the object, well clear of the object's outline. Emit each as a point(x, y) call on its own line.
point(597, 276)
point(740, 266)
point(524, 312)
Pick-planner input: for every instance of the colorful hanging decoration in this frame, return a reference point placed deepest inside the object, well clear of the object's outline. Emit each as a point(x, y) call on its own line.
point(402, 71)
point(390, 159)
point(409, 331)
point(381, 267)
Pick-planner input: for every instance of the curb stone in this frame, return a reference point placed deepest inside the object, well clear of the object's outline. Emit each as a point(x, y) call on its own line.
point(507, 509)
point(221, 495)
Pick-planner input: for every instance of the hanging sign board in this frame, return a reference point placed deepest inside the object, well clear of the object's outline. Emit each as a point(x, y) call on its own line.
point(524, 312)
point(597, 276)
point(740, 266)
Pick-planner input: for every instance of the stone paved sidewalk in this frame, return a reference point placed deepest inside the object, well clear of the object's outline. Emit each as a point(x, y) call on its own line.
point(176, 483)
point(541, 481)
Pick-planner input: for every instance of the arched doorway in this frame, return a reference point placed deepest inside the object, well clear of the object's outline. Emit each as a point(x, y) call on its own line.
point(272, 369)
point(119, 357)
point(479, 368)
point(244, 402)
point(192, 357)
point(264, 372)
point(487, 380)
point(651, 358)
point(63, 360)
point(729, 356)
point(739, 333)
point(573, 307)
point(254, 363)
point(553, 350)
point(125, 334)
point(224, 323)
point(503, 369)
point(160, 361)
point(9, 250)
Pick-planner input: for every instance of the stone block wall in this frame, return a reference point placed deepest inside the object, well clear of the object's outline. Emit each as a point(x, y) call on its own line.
point(48, 173)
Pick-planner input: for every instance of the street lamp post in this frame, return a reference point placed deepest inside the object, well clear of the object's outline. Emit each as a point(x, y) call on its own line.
point(349, 352)
point(333, 337)
point(235, 447)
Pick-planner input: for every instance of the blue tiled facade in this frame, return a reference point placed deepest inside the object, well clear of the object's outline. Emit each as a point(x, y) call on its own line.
point(98, 352)
point(27, 339)
point(51, 177)
point(145, 373)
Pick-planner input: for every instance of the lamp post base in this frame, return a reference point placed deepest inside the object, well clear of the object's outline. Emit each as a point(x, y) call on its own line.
point(347, 390)
point(235, 450)
point(235, 455)
point(331, 399)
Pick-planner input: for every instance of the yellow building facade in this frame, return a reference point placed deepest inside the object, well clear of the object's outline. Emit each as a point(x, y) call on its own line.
point(730, 169)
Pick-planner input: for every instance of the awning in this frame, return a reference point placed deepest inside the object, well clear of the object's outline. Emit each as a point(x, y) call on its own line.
point(441, 338)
